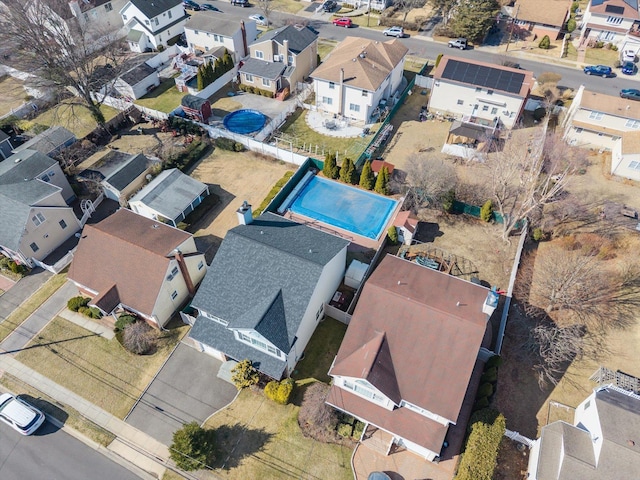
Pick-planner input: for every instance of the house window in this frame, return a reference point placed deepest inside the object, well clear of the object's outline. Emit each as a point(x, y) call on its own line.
point(146, 22)
point(327, 100)
point(354, 108)
point(259, 344)
point(478, 89)
point(259, 54)
point(596, 116)
point(266, 82)
point(460, 102)
point(489, 92)
point(214, 318)
point(614, 20)
point(124, 17)
point(632, 123)
point(248, 78)
point(217, 37)
point(579, 130)
point(494, 110)
point(365, 93)
point(169, 12)
point(485, 108)
point(634, 165)
point(290, 59)
point(63, 224)
point(332, 85)
point(155, 20)
point(108, 7)
point(200, 265)
point(174, 294)
point(174, 272)
point(45, 178)
point(607, 36)
point(34, 247)
point(196, 32)
point(587, 404)
point(362, 388)
point(37, 219)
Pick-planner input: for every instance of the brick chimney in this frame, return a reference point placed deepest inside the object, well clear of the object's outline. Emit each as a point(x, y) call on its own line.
point(185, 271)
point(244, 213)
point(243, 29)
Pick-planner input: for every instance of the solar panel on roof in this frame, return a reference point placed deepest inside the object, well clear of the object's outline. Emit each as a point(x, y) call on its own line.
point(483, 76)
point(614, 9)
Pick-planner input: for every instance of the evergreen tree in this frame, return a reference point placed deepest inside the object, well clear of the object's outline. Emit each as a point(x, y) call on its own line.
point(473, 18)
point(330, 168)
point(200, 77)
point(348, 171)
point(227, 60)
point(382, 182)
point(210, 73)
point(367, 179)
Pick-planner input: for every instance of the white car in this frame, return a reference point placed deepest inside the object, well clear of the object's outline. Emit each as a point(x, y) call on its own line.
point(394, 32)
point(628, 56)
point(260, 20)
point(19, 415)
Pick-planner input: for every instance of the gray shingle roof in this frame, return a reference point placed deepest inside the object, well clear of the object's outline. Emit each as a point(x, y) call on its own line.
point(137, 74)
point(262, 278)
point(170, 193)
point(153, 8)
point(128, 172)
point(214, 22)
point(24, 165)
point(261, 68)
point(298, 39)
point(48, 140)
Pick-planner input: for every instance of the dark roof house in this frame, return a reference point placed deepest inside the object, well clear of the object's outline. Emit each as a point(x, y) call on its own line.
point(49, 142)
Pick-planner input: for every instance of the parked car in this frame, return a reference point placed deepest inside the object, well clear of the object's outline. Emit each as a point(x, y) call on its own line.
point(460, 43)
point(240, 3)
point(600, 70)
point(394, 32)
point(628, 68)
point(188, 4)
point(343, 22)
point(208, 6)
point(628, 56)
point(630, 93)
point(329, 6)
point(259, 19)
point(19, 415)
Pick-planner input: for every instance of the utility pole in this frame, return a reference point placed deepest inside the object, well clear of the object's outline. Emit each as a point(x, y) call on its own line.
point(513, 22)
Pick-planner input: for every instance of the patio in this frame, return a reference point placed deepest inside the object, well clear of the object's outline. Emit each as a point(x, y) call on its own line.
point(333, 127)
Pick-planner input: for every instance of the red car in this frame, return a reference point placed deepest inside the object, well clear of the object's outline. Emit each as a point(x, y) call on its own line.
point(342, 22)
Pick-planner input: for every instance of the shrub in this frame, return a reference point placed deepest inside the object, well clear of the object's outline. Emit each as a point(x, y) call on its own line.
point(571, 25)
point(538, 234)
point(447, 201)
point(244, 374)
point(224, 143)
point(279, 392)
point(345, 430)
point(316, 418)
point(272, 193)
point(494, 361)
point(161, 48)
point(193, 447)
point(4, 262)
point(139, 338)
point(479, 459)
point(485, 390)
point(392, 233)
point(16, 267)
point(358, 428)
point(575, 6)
point(93, 312)
point(490, 375)
point(123, 321)
point(75, 303)
point(548, 77)
point(481, 403)
point(545, 43)
point(486, 211)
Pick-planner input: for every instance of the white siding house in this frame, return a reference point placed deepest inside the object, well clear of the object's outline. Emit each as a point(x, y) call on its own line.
point(152, 23)
point(625, 156)
point(206, 31)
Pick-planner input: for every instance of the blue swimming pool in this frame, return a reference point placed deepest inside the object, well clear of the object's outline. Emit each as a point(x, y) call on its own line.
point(244, 121)
point(343, 206)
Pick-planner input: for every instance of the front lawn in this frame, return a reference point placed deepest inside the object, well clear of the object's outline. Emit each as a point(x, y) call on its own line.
point(99, 370)
point(164, 98)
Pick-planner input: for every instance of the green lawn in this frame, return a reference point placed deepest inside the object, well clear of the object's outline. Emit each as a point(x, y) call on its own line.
point(321, 351)
point(31, 304)
point(164, 98)
point(98, 369)
point(74, 118)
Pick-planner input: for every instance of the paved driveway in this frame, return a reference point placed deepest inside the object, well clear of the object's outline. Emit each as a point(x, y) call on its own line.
point(186, 389)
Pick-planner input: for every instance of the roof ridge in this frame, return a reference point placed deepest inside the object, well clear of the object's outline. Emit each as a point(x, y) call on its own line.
point(129, 242)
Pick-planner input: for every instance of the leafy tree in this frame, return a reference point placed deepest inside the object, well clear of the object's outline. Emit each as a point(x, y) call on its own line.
point(193, 447)
point(473, 18)
point(367, 179)
point(348, 171)
point(486, 211)
point(382, 181)
point(244, 374)
point(330, 168)
point(545, 43)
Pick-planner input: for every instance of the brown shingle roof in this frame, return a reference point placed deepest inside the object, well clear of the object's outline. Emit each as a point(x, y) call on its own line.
point(546, 12)
point(613, 105)
point(366, 63)
point(377, 165)
point(407, 220)
point(129, 252)
point(433, 325)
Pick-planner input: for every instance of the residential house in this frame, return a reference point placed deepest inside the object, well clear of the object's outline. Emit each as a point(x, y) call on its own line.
point(597, 120)
point(208, 31)
point(407, 358)
point(5, 145)
point(378, 5)
point(34, 214)
point(196, 108)
point(609, 21)
point(265, 291)
point(625, 156)
point(137, 82)
point(359, 77)
point(169, 197)
point(542, 17)
point(129, 262)
point(152, 23)
point(50, 142)
point(119, 174)
point(101, 17)
point(603, 443)
point(280, 59)
point(479, 92)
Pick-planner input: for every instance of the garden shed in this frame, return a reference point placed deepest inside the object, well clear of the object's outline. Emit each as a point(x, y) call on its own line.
point(355, 274)
point(196, 108)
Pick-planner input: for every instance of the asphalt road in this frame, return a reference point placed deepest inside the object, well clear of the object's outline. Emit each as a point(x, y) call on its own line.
point(52, 454)
point(572, 77)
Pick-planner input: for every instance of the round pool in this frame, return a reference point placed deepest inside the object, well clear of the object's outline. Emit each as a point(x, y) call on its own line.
point(244, 121)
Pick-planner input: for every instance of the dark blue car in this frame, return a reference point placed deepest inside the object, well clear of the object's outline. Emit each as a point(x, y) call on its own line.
point(600, 70)
point(628, 68)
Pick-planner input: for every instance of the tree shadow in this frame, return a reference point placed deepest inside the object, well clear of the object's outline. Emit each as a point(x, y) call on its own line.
point(235, 442)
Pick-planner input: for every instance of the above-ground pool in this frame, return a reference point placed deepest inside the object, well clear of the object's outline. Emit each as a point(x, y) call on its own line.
point(358, 211)
point(244, 121)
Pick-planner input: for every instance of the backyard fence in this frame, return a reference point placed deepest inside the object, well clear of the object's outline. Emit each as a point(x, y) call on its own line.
point(423, 82)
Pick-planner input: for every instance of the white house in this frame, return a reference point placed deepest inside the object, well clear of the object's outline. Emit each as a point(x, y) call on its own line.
point(358, 77)
point(625, 156)
point(152, 22)
point(609, 20)
point(130, 262)
point(479, 92)
point(207, 31)
point(602, 444)
point(596, 120)
point(99, 16)
point(137, 82)
point(406, 361)
point(265, 291)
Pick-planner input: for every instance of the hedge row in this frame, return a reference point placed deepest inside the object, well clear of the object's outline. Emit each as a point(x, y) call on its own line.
point(272, 193)
point(480, 457)
point(191, 154)
point(256, 90)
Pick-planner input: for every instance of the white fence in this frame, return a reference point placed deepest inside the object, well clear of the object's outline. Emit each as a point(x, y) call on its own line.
point(424, 82)
point(336, 313)
point(220, 82)
point(162, 58)
point(515, 436)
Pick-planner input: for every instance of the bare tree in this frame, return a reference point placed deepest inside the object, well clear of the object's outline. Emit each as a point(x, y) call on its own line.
point(64, 54)
point(405, 6)
point(139, 338)
point(444, 7)
point(266, 7)
point(428, 179)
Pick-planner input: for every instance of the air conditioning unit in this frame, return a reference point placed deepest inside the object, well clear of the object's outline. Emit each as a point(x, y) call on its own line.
point(277, 58)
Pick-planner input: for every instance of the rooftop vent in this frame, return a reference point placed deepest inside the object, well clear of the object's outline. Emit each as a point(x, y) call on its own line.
point(155, 225)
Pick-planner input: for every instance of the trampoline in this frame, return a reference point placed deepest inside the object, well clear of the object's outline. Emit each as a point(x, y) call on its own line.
point(244, 121)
